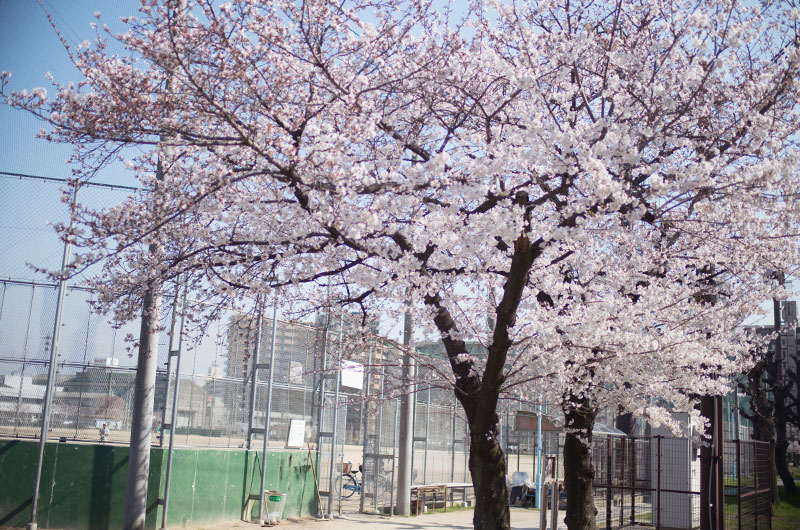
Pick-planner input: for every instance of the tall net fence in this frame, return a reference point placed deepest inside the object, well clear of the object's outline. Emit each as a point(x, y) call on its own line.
point(231, 390)
point(96, 362)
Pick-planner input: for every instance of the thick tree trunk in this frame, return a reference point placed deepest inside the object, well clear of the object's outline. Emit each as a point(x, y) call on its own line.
point(779, 383)
point(488, 467)
point(578, 473)
point(712, 498)
point(782, 466)
point(625, 423)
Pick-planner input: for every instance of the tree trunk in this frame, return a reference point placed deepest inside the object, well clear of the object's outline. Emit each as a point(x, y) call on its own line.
point(488, 467)
point(712, 498)
point(779, 384)
point(782, 444)
point(578, 473)
point(625, 423)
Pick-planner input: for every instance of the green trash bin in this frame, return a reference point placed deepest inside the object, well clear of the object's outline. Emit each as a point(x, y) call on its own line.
point(275, 503)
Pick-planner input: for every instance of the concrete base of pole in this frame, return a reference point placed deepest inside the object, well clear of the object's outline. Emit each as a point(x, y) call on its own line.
point(31, 526)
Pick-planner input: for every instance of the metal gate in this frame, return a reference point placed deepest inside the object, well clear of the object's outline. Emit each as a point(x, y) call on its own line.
point(655, 482)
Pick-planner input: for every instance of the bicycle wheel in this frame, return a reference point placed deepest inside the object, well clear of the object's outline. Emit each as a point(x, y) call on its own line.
point(349, 486)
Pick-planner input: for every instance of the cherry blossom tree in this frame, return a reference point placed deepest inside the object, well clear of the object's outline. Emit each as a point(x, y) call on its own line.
point(609, 182)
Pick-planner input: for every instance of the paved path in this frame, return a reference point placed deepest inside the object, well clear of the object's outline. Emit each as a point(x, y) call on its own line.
point(521, 519)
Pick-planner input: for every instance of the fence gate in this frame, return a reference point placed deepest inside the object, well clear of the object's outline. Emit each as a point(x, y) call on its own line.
point(380, 426)
point(747, 485)
point(655, 482)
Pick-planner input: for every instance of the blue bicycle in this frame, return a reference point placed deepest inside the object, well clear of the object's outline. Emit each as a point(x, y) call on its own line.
point(350, 483)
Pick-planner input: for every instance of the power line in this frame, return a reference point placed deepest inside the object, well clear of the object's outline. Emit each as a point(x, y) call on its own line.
point(64, 181)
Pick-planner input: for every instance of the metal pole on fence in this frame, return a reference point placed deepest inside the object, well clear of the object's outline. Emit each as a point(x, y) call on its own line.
point(632, 453)
point(394, 454)
point(365, 417)
point(174, 412)
point(337, 373)
point(518, 436)
point(425, 443)
point(406, 456)
point(268, 416)
point(755, 467)
point(539, 456)
point(51, 368)
point(321, 406)
point(738, 483)
point(254, 374)
point(658, 481)
point(609, 492)
point(378, 439)
point(172, 324)
point(453, 444)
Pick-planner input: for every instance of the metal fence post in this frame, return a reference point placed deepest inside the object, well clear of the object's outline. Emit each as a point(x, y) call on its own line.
point(337, 373)
point(453, 444)
point(51, 368)
point(366, 405)
point(609, 493)
point(658, 482)
point(254, 374)
point(394, 453)
point(738, 483)
point(174, 411)
point(425, 443)
point(378, 440)
point(268, 415)
point(755, 484)
point(172, 324)
point(632, 474)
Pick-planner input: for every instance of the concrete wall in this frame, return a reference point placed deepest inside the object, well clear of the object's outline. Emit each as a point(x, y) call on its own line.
point(83, 486)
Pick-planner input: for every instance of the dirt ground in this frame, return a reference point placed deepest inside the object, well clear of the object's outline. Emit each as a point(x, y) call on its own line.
point(521, 518)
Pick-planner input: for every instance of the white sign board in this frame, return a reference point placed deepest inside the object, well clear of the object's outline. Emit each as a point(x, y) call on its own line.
point(296, 372)
point(297, 434)
point(353, 375)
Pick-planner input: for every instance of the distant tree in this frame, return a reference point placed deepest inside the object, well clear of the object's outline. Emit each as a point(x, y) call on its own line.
point(587, 173)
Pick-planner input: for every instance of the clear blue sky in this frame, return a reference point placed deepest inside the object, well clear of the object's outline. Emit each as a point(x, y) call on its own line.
point(29, 48)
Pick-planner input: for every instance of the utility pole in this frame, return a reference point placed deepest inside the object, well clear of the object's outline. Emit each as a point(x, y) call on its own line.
point(406, 435)
point(51, 368)
point(144, 390)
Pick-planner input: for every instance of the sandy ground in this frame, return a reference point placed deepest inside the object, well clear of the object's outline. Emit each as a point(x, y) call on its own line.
point(521, 518)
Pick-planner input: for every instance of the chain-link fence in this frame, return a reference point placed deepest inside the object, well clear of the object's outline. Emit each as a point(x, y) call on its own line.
point(229, 383)
point(232, 391)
